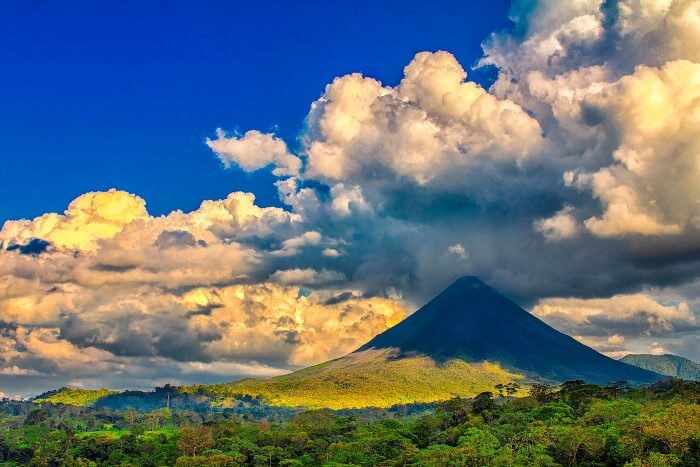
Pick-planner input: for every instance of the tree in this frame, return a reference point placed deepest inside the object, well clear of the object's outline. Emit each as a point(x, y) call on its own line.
point(578, 443)
point(130, 417)
point(500, 387)
point(156, 418)
point(457, 408)
point(484, 405)
point(674, 427)
point(478, 446)
point(195, 439)
point(542, 393)
point(215, 460)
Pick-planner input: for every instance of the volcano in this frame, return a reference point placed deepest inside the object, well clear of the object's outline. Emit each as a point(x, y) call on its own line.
point(464, 341)
point(471, 321)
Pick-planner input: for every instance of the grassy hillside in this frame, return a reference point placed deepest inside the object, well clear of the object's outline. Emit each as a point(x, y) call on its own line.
point(372, 378)
point(668, 365)
point(71, 396)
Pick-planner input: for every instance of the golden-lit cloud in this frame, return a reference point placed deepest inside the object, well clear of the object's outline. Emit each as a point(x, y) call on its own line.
point(281, 323)
point(89, 218)
point(180, 287)
point(654, 115)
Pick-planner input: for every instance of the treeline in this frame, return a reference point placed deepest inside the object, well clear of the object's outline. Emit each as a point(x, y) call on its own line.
point(575, 424)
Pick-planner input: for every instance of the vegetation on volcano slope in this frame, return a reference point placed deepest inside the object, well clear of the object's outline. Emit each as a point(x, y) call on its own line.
point(372, 378)
point(580, 424)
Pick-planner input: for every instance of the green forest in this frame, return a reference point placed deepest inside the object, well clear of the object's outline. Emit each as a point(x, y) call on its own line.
point(574, 424)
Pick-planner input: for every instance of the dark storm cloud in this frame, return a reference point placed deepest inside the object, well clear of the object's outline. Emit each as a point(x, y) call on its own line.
point(129, 333)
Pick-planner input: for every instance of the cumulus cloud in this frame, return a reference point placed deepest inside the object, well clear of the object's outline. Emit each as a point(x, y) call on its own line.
point(288, 326)
point(186, 288)
point(89, 218)
point(432, 122)
point(178, 288)
point(612, 82)
point(560, 226)
point(293, 245)
point(631, 315)
point(653, 113)
point(17, 371)
point(331, 252)
point(624, 324)
point(458, 250)
point(254, 150)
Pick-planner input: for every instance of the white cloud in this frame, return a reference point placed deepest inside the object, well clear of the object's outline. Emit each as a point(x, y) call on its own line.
point(293, 245)
point(458, 250)
point(612, 345)
point(164, 288)
point(14, 370)
point(255, 150)
point(622, 324)
point(331, 252)
point(657, 349)
point(433, 122)
point(562, 225)
point(607, 83)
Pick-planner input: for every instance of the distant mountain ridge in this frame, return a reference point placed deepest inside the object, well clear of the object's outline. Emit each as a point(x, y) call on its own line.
point(472, 321)
point(667, 364)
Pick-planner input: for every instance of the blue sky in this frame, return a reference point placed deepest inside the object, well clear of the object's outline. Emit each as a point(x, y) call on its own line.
point(98, 95)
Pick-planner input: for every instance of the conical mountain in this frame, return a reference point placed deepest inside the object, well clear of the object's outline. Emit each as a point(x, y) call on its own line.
point(471, 321)
point(463, 342)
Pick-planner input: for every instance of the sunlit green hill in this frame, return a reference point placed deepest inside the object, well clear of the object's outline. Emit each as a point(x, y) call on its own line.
point(73, 396)
point(371, 378)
